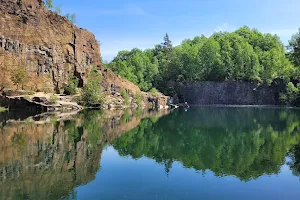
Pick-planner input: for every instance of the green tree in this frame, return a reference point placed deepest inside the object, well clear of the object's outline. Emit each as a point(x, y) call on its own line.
point(71, 17)
point(245, 54)
point(19, 76)
point(71, 87)
point(210, 64)
point(136, 66)
point(91, 93)
point(294, 47)
point(167, 44)
point(49, 4)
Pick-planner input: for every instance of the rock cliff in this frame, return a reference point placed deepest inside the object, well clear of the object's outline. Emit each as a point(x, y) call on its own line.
point(45, 42)
point(232, 93)
point(50, 46)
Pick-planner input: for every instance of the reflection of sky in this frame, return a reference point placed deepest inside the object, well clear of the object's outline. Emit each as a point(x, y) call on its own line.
point(126, 178)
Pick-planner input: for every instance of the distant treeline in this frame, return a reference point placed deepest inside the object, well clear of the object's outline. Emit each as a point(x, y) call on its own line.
point(245, 54)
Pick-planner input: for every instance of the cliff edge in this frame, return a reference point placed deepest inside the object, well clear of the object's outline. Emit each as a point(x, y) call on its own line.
point(45, 42)
point(48, 45)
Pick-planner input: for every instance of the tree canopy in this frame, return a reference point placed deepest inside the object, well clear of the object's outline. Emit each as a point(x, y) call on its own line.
point(245, 54)
point(242, 142)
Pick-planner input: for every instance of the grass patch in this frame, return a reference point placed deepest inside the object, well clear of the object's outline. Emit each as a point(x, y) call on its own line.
point(53, 99)
point(138, 98)
point(125, 95)
point(2, 109)
point(154, 91)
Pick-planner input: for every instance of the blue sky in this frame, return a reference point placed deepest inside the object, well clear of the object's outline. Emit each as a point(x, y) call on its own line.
point(125, 24)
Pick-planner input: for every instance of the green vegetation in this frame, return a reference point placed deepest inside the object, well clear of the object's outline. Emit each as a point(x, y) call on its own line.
point(241, 142)
point(154, 91)
point(20, 140)
point(91, 94)
point(292, 95)
point(125, 95)
point(138, 98)
point(49, 4)
point(137, 66)
point(53, 99)
point(91, 123)
point(19, 76)
point(71, 17)
point(294, 48)
point(71, 87)
point(2, 109)
point(245, 54)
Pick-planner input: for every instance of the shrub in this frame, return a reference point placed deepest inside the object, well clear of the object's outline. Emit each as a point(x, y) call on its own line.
point(125, 95)
point(154, 91)
point(19, 76)
point(138, 98)
point(2, 109)
point(91, 94)
point(53, 99)
point(292, 94)
point(71, 87)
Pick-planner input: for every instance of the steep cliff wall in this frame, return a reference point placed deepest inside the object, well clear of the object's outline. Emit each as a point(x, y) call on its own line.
point(51, 47)
point(44, 42)
point(232, 93)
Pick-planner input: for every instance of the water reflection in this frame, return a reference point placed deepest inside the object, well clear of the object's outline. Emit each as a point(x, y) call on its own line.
point(47, 159)
point(243, 142)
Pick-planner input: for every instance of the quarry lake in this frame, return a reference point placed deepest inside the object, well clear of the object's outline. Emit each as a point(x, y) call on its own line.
point(199, 153)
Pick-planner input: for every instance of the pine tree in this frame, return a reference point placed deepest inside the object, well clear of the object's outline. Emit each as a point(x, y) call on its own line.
point(167, 44)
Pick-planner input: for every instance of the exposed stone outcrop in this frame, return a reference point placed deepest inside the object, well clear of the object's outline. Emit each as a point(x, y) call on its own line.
point(45, 42)
point(49, 45)
point(112, 86)
point(40, 104)
point(232, 93)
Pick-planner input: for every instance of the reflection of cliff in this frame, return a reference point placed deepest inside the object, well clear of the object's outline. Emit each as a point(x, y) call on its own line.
point(48, 160)
point(243, 142)
point(43, 162)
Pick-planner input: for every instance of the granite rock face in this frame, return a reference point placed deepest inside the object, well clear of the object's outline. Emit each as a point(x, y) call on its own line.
point(45, 42)
point(232, 93)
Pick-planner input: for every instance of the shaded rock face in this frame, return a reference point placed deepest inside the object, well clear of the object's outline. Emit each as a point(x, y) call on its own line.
point(232, 93)
point(46, 43)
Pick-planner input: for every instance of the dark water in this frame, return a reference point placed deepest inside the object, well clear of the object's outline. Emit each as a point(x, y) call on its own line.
point(202, 153)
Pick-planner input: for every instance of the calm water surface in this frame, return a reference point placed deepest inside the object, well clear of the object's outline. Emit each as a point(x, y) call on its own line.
point(201, 153)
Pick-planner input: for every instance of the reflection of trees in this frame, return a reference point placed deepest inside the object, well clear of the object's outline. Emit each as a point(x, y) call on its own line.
point(228, 141)
point(294, 161)
point(48, 159)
